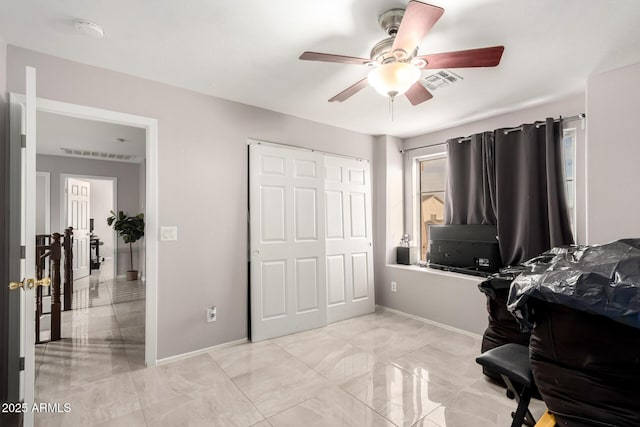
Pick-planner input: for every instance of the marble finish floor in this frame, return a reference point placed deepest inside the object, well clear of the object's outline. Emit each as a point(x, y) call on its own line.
point(382, 369)
point(102, 338)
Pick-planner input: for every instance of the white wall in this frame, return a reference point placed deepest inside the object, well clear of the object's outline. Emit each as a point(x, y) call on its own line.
point(449, 298)
point(613, 155)
point(202, 184)
point(127, 192)
point(101, 205)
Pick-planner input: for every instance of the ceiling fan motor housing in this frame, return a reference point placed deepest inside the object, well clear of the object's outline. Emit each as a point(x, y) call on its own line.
point(381, 52)
point(390, 21)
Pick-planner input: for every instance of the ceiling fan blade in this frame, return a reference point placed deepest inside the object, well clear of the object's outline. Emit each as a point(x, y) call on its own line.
point(417, 94)
point(350, 91)
point(418, 19)
point(483, 57)
point(327, 57)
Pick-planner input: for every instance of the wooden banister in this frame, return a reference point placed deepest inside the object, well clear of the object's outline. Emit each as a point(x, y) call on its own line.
point(48, 254)
point(42, 252)
point(68, 267)
point(56, 314)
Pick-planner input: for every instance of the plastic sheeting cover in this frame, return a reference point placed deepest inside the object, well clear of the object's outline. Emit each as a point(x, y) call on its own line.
point(602, 279)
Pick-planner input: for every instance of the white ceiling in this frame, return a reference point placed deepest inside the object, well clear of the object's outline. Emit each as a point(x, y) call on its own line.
point(94, 139)
point(247, 51)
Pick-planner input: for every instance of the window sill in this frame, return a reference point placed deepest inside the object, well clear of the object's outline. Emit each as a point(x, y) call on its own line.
point(436, 272)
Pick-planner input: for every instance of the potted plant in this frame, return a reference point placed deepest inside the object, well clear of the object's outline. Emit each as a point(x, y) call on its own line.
point(131, 229)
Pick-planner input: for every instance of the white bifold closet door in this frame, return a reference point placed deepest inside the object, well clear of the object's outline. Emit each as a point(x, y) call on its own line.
point(310, 240)
point(349, 247)
point(288, 291)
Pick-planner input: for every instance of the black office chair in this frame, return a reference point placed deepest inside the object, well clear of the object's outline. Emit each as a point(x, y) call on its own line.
point(511, 362)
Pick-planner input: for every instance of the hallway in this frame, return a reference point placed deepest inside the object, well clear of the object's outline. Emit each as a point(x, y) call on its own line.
point(102, 336)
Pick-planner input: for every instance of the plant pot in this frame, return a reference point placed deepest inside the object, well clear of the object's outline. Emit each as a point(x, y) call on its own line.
point(132, 275)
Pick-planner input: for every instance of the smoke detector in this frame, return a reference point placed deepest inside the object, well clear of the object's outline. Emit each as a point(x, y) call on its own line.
point(88, 28)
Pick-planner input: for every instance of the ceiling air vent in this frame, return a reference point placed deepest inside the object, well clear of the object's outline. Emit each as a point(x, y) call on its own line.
point(440, 79)
point(99, 155)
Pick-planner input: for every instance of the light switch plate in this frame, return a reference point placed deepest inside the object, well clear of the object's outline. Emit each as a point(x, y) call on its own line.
point(168, 233)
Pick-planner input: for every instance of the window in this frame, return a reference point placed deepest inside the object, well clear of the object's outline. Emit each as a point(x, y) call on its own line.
point(569, 157)
point(431, 188)
point(432, 185)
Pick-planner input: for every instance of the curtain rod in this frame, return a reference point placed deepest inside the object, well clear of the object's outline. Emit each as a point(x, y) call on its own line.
point(506, 131)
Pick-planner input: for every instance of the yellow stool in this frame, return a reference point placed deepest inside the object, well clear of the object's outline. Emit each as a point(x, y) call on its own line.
point(547, 420)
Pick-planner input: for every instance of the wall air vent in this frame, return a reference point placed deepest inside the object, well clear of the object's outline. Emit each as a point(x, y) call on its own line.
point(440, 79)
point(99, 155)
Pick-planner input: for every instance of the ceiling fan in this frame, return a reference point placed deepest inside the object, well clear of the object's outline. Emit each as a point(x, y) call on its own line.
point(396, 64)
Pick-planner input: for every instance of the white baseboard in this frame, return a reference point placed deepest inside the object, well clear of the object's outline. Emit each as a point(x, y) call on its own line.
point(201, 351)
point(143, 280)
point(430, 322)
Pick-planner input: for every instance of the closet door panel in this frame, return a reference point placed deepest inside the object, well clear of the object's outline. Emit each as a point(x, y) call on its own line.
point(288, 291)
point(349, 238)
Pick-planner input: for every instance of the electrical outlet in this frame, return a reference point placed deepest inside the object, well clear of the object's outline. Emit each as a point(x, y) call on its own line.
point(212, 315)
point(394, 287)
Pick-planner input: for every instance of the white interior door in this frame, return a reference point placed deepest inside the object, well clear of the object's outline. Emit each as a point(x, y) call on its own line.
point(78, 213)
point(350, 288)
point(287, 273)
point(23, 118)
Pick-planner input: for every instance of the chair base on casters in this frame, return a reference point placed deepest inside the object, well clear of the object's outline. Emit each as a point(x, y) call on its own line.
point(511, 362)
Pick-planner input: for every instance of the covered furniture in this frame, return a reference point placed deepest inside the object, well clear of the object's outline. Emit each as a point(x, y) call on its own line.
point(503, 327)
point(583, 310)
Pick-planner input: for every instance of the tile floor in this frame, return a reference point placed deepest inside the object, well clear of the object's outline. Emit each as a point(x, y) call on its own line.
point(383, 369)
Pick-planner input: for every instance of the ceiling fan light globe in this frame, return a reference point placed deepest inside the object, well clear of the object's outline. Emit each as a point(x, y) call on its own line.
point(394, 78)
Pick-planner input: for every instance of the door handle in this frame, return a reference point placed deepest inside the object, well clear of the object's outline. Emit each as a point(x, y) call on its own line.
point(42, 282)
point(15, 285)
point(29, 283)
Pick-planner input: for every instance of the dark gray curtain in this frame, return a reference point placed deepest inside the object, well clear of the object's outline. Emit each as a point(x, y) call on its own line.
point(470, 190)
point(514, 180)
point(530, 192)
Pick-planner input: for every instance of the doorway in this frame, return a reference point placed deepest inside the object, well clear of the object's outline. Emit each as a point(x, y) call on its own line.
point(148, 203)
point(103, 332)
point(148, 174)
point(102, 249)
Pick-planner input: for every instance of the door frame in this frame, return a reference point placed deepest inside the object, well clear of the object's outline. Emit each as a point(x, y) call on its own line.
point(63, 205)
point(151, 203)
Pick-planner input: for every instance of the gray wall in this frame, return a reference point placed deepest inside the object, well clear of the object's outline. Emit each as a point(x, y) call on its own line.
point(613, 155)
point(449, 298)
point(127, 174)
point(202, 185)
